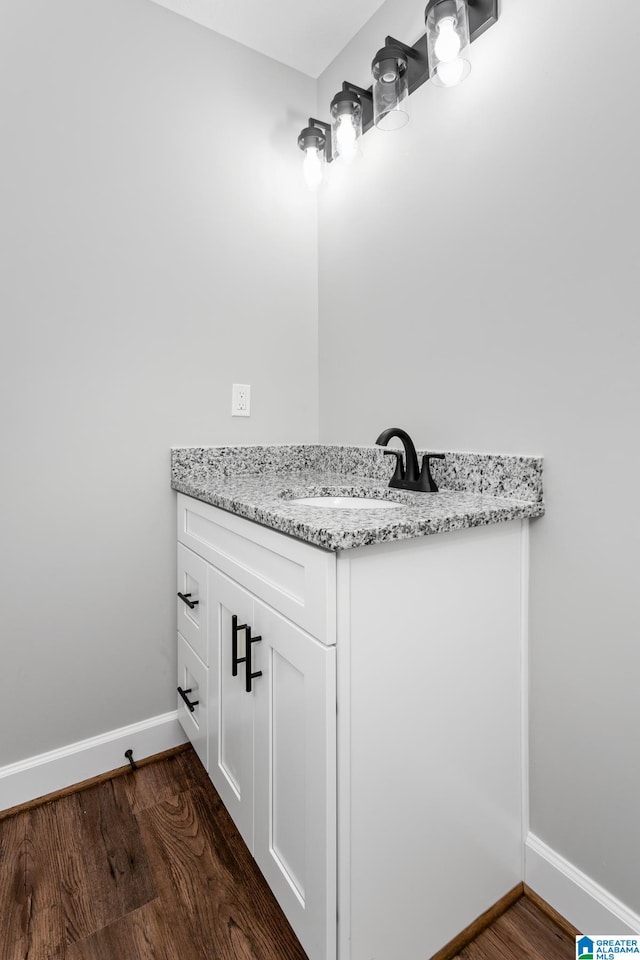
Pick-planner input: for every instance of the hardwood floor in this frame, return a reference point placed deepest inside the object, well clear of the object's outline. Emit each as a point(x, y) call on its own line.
point(148, 866)
point(145, 866)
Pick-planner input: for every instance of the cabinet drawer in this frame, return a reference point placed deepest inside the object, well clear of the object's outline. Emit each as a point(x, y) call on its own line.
point(295, 578)
point(192, 584)
point(193, 679)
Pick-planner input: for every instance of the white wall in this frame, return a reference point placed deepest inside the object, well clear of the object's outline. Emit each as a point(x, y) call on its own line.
point(479, 287)
point(157, 244)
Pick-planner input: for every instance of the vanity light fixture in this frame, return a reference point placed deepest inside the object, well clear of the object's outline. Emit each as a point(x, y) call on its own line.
point(315, 143)
point(448, 41)
point(442, 54)
point(390, 88)
point(347, 108)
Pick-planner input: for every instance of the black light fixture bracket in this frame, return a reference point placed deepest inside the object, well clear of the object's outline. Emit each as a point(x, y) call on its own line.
point(320, 132)
point(353, 88)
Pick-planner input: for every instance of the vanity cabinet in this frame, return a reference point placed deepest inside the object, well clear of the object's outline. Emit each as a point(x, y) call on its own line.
point(375, 767)
point(267, 705)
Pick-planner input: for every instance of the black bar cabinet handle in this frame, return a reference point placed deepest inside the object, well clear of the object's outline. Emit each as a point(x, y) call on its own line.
point(185, 598)
point(235, 659)
point(249, 675)
point(191, 704)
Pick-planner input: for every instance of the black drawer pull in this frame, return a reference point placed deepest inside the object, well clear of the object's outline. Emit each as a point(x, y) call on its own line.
point(189, 603)
point(249, 675)
point(235, 630)
point(191, 704)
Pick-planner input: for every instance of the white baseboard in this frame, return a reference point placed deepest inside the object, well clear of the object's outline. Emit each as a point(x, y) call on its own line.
point(48, 772)
point(584, 903)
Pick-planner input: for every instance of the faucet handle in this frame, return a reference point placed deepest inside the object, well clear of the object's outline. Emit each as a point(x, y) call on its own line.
point(398, 475)
point(426, 482)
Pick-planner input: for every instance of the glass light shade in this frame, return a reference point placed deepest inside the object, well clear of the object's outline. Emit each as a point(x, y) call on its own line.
point(390, 90)
point(312, 141)
point(346, 127)
point(313, 167)
point(448, 42)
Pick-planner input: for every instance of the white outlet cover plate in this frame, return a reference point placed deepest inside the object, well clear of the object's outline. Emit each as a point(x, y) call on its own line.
point(241, 400)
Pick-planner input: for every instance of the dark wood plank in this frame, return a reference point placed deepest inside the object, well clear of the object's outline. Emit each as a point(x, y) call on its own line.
point(119, 877)
point(12, 885)
point(206, 875)
point(141, 935)
point(81, 908)
point(526, 926)
point(84, 867)
point(184, 871)
point(486, 947)
point(271, 928)
point(192, 767)
point(43, 930)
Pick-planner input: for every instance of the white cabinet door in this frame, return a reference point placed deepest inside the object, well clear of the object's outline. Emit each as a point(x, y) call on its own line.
point(295, 776)
point(230, 706)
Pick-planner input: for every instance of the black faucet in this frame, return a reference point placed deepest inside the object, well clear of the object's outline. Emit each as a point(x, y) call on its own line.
point(406, 478)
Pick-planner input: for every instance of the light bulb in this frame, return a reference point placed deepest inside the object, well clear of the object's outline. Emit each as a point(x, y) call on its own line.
point(312, 167)
point(451, 73)
point(346, 137)
point(448, 41)
point(447, 46)
point(346, 134)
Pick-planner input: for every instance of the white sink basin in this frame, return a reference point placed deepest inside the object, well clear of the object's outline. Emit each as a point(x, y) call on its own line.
point(345, 503)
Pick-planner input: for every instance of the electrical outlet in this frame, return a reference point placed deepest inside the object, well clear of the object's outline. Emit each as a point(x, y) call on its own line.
point(240, 400)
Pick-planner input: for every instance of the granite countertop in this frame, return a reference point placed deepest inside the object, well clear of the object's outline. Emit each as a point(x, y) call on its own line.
point(259, 483)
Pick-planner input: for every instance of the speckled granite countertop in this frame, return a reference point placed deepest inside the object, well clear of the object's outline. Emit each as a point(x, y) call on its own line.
point(259, 483)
